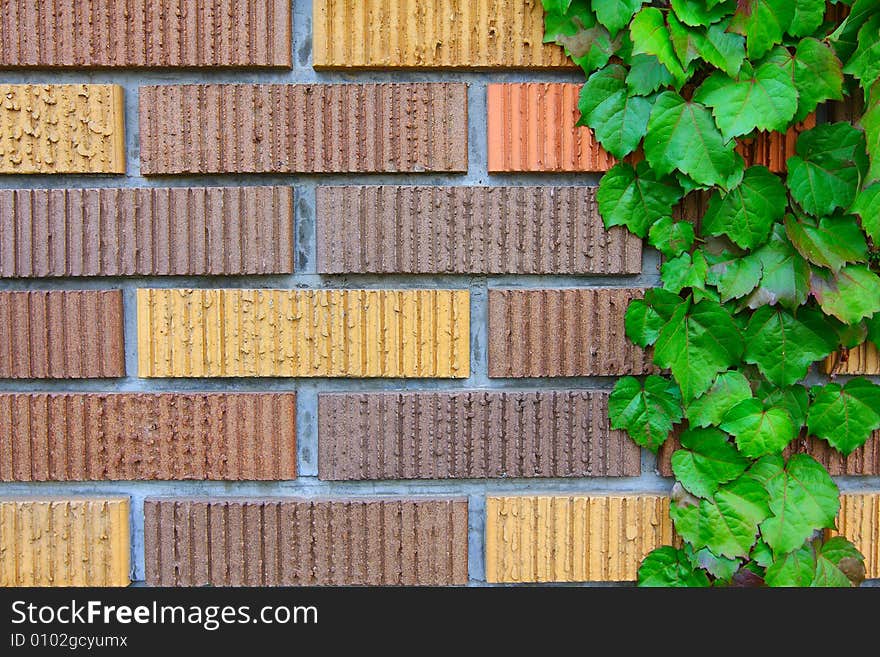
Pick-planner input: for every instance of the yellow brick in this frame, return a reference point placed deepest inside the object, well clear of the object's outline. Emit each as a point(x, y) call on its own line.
point(64, 542)
point(301, 333)
point(859, 521)
point(62, 128)
point(864, 359)
point(432, 34)
point(573, 538)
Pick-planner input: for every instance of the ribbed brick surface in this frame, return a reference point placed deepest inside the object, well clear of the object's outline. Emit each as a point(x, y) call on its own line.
point(61, 335)
point(178, 231)
point(61, 128)
point(859, 521)
point(145, 33)
point(64, 542)
point(533, 128)
point(573, 332)
point(126, 437)
point(470, 435)
point(300, 333)
point(320, 128)
point(772, 149)
point(431, 34)
point(573, 538)
point(460, 230)
point(291, 542)
point(864, 359)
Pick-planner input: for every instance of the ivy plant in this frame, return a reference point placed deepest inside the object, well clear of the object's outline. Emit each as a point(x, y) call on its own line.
point(778, 271)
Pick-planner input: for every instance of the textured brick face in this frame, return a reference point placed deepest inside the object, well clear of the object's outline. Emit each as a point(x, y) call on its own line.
point(548, 333)
point(336, 333)
point(319, 128)
point(470, 435)
point(864, 359)
point(533, 128)
point(64, 542)
point(859, 521)
point(61, 128)
point(291, 542)
point(145, 33)
point(573, 538)
point(432, 34)
point(61, 335)
point(95, 437)
point(180, 231)
point(461, 230)
point(773, 149)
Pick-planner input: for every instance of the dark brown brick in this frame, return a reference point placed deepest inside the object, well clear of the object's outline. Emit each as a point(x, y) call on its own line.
point(61, 335)
point(319, 128)
point(176, 231)
point(462, 230)
point(470, 435)
point(161, 33)
point(551, 333)
point(298, 542)
point(167, 436)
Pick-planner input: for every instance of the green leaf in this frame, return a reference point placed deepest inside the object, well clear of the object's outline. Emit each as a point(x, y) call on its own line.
point(650, 36)
point(874, 330)
point(763, 23)
point(696, 13)
point(808, 16)
point(636, 198)
point(685, 271)
point(845, 37)
point(762, 554)
point(683, 136)
point(795, 568)
point(786, 275)
point(646, 412)
point(707, 461)
point(642, 323)
point(865, 62)
point(616, 14)
point(714, 45)
point(759, 431)
point(763, 98)
point(721, 568)
point(829, 242)
point(803, 498)
point(784, 346)
point(831, 564)
point(727, 524)
point(735, 276)
point(665, 303)
point(845, 417)
point(748, 211)
point(579, 33)
point(850, 295)
point(828, 168)
point(670, 237)
point(647, 75)
point(867, 207)
point(697, 343)
point(729, 389)
point(870, 122)
point(669, 567)
point(618, 120)
point(818, 76)
point(794, 399)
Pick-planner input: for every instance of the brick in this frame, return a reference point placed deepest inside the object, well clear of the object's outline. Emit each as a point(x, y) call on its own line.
point(470, 435)
point(129, 437)
point(861, 360)
point(859, 521)
point(178, 231)
point(304, 333)
point(62, 128)
point(299, 542)
point(532, 127)
point(772, 149)
point(432, 34)
point(574, 332)
point(382, 229)
point(577, 538)
point(306, 128)
point(61, 335)
point(64, 542)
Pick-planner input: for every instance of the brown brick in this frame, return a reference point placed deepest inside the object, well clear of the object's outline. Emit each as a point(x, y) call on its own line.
point(772, 149)
point(319, 128)
point(88, 33)
point(575, 332)
point(61, 335)
point(299, 542)
point(151, 231)
point(470, 435)
point(461, 230)
point(127, 437)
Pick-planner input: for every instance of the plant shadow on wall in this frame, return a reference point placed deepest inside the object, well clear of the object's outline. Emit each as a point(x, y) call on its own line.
point(779, 271)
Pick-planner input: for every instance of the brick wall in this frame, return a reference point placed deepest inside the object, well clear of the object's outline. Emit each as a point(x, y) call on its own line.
point(316, 293)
